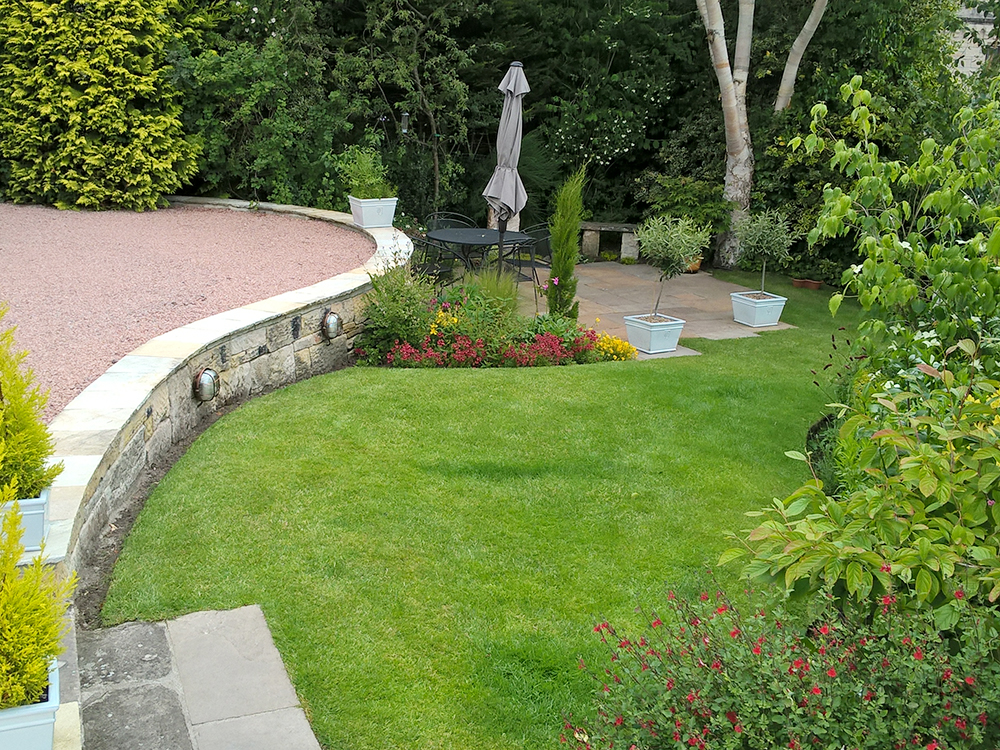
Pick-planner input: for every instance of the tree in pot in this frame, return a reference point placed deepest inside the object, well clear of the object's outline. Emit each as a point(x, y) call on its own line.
point(671, 245)
point(765, 235)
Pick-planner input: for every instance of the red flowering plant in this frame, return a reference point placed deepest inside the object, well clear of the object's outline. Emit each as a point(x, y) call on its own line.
point(703, 674)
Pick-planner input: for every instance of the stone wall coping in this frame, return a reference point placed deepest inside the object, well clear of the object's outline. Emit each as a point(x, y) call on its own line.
point(105, 434)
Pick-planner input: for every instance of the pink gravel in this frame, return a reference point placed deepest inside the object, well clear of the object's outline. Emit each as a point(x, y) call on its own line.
point(86, 288)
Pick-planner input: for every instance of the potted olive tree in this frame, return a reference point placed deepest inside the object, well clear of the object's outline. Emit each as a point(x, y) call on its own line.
point(766, 236)
point(372, 197)
point(671, 245)
point(33, 605)
point(28, 443)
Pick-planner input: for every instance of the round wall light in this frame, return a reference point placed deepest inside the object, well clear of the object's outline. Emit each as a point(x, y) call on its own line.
point(332, 326)
point(206, 384)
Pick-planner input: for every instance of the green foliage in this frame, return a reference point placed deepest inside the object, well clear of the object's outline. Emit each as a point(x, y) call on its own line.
point(926, 229)
point(764, 235)
point(22, 431)
point(32, 606)
point(88, 116)
point(699, 200)
point(395, 310)
point(362, 169)
point(704, 673)
point(916, 515)
point(500, 287)
point(565, 230)
point(256, 98)
point(672, 244)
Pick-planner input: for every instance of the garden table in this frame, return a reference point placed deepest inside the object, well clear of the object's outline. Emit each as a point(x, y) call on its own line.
point(475, 241)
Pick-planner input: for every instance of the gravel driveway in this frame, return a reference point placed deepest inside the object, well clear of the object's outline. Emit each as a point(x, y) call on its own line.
point(86, 288)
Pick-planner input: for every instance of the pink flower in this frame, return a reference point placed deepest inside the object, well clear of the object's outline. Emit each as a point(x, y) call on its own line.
point(959, 594)
point(918, 654)
point(816, 690)
point(555, 281)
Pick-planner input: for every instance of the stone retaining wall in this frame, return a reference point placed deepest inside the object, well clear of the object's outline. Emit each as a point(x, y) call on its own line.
point(128, 419)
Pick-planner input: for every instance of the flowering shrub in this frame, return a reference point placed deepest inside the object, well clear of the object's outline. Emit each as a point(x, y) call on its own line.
point(704, 675)
point(409, 326)
point(611, 348)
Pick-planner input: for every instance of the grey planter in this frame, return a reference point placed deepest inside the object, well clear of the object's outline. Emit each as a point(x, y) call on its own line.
point(34, 518)
point(32, 727)
point(653, 336)
point(371, 213)
point(757, 313)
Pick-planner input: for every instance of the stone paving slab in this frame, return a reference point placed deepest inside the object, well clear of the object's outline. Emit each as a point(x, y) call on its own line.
point(228, 665)
point(205, 681)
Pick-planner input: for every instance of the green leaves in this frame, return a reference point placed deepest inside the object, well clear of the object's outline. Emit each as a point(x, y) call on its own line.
point(87, 127)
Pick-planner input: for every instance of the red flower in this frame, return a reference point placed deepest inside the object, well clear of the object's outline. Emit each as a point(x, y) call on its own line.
point(981, 719)
point(734, 632)
point(722, 609)
point(731, 715)
point(738, 729)
point(947, 674)
point(970, 680)
point(906, 640)
point(670, 683)
point(886, 568)
point(960, 724)
point(704, 597)
point(656, 623)
point(824, 629)
point(933, 745)
point(959, 594)
point(918, 654)
point(869, 695)
point(691, 697)
point(816, 690)
point(831, 672)
point(756, 650)
point(619, 720)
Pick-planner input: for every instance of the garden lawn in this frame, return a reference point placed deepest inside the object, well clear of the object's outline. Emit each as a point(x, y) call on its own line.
point(432, 548)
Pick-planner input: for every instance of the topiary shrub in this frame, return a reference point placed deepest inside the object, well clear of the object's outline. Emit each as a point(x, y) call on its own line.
point(33, 604)
point(87, 116)
point(27, 440)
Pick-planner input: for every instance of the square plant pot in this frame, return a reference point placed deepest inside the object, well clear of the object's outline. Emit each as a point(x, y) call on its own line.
point(653, 334)
point(371, 213)
point(32, 727)
point(757, 309)
point(34, 519)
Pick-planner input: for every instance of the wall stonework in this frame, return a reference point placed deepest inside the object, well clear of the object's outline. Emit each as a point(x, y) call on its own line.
point(130, 418)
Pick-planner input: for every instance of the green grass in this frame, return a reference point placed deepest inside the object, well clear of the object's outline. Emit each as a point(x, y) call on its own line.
point(432, 548)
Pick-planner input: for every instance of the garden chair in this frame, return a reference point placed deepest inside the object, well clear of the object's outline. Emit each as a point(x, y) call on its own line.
point(539, 248)
point(435, 261)
point(446, 219)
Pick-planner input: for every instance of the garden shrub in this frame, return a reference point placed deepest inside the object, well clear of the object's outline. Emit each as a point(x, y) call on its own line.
point(26, 438)
point(704, 674)
point(565, 243)
point(88, 116)
point(917, 454)
point(33, 603)
point(258, 104)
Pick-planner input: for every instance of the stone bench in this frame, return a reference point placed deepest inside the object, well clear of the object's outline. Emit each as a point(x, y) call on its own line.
point(592, 231)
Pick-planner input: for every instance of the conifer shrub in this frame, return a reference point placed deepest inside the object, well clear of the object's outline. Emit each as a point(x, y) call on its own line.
point(25, 437)
point(88, 118)
point(33, 605)
point(565, 230)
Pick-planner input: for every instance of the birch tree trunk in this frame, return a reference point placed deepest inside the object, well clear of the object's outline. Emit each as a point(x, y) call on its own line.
point(787, 87)
point(732, 88)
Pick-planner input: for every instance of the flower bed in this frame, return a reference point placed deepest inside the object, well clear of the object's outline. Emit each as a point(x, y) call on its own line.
point(472, 325)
